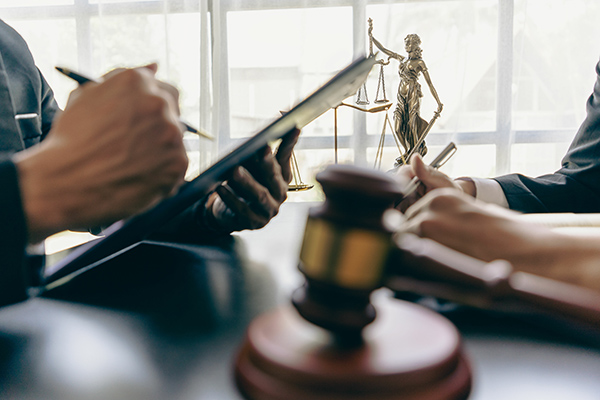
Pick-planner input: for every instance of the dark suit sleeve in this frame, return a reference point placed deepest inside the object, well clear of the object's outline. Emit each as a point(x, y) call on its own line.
point(573, 188)
point(49, 107)
point(13, 238)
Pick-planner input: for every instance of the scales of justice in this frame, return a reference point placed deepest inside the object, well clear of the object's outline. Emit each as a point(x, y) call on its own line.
point(409, 129)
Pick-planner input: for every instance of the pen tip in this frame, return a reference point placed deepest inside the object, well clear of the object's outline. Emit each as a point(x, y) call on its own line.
point(204, 134)
point(63, 70)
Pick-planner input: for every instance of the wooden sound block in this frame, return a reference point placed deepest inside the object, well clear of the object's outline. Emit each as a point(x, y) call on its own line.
point(408, 353)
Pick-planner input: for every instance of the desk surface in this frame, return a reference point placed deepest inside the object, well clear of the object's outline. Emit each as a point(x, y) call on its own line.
point(164, 321)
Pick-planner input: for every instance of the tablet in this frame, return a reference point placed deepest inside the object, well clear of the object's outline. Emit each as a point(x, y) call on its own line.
point(122, 235)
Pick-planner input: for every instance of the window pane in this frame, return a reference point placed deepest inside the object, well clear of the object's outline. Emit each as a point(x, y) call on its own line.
point(537, 159)
point(145, 41)
point(459, 42)
point(118, 1)
point(469, 160)
point(34, 3)
point(278, 56)
point(556, 50)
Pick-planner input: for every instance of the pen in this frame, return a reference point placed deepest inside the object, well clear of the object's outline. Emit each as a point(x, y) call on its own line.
point(437, 162)
point(81, 79)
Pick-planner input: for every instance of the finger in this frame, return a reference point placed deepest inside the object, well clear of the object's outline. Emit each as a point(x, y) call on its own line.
point(267, 172)
point(243, 214)
point(429, 176)
point(422, 205)
point(284, 153)
point(253, 193)
point(411, 226)
point(113, 72)
point(165, 87)
point(152, 67)
point(419, 168)
point(172, 96)
point(232, 201)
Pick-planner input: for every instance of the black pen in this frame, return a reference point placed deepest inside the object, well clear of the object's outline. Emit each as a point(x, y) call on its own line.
point(81, 79)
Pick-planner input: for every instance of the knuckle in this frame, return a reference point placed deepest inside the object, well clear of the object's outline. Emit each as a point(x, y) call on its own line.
point(438, 202)
point(283, 196)
point(169, 90)
point(273, 213)
point(263, 196)
point(180, 165)
point(444, 199)
point(429, 226)
point(257, 223)
point(172, 133)
point(130, 78)
point(155, 104)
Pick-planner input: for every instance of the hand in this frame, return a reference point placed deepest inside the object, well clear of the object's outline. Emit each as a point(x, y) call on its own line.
point(253, 194)
point(166, 87)
point(430, 178)
point(488, 232)
point(116, 150)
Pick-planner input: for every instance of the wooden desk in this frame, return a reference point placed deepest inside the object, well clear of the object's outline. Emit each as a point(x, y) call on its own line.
point(163, 321)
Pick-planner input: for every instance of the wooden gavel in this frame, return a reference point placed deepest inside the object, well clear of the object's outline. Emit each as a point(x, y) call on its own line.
point(349, 250)
point(408, 352)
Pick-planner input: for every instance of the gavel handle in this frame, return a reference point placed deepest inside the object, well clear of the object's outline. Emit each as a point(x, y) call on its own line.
point(426, 267)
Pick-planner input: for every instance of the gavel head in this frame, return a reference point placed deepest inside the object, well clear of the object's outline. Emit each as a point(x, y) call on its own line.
point(346, 244)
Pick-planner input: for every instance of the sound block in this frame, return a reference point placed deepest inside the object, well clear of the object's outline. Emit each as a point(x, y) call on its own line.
point(408, 353)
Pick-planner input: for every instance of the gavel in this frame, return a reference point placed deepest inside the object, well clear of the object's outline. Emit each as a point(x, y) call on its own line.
point(346, 339)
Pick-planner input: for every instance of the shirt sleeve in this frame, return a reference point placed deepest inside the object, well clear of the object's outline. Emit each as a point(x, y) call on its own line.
point(490, 191)
point(13, 238)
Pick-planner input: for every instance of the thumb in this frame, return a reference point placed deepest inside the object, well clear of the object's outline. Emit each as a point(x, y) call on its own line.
point(429, 176)
point(419, 169)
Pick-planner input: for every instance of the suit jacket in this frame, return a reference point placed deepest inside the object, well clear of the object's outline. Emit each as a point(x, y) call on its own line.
point(573, 188)
point(23, 93)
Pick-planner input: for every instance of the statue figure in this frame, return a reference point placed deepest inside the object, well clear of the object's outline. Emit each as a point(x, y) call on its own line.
point(409, 127)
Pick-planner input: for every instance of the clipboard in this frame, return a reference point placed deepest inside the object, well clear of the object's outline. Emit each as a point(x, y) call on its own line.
point(125, 234)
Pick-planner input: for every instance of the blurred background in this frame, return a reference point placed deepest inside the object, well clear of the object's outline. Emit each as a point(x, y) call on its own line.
point(514, 75)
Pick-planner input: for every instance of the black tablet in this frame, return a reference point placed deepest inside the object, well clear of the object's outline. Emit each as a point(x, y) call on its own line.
point(124, 234)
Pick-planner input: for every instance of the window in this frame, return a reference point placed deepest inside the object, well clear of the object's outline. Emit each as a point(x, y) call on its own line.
point(514, 75)
point(98, 35)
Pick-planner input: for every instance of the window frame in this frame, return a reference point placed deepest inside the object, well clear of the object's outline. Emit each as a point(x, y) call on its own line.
point(503, 137)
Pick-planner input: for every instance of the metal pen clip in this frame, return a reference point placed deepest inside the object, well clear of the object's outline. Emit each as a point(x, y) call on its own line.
point(26, 116)
point(444, 156)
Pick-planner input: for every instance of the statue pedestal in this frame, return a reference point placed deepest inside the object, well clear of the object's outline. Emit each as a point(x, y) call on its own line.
point(408, 353)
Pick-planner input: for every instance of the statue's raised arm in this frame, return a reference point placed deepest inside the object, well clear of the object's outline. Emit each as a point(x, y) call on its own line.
point(384, 50)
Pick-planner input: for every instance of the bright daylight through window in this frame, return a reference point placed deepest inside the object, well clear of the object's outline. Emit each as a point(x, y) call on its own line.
point(513, 83)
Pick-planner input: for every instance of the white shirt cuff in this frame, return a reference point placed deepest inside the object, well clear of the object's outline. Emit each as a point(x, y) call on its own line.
point(490, 191)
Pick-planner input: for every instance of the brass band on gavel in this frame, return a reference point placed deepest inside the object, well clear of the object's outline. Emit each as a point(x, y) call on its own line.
point(343, 259)
point(346, 256)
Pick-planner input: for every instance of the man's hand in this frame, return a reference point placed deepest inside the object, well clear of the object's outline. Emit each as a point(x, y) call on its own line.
point(115, 151)
point(489, 232)
point(252, 195)
point(430, 178)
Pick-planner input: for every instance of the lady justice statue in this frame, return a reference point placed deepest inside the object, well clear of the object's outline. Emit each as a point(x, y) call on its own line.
point(409, 127)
